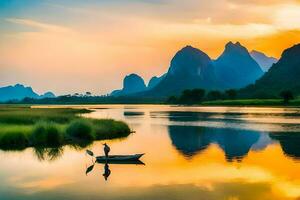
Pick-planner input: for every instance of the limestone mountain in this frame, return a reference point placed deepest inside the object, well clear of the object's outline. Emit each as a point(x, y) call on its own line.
point(132, 83)
point(284, 75)
point(235, 68)
point(19, 92)
point(154, 81)
point(264, 61)
point(47, 95)
point(189, 68)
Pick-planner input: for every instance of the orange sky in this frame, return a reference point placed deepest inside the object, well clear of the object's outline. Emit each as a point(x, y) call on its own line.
point(77, 46)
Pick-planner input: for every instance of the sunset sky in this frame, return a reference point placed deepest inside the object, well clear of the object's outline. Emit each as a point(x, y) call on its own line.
point(68, 46)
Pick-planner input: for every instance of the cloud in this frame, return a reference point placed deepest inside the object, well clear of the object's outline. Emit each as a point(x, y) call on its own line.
point(37, 24)
point(287, 17)
point(98, 42)
point(262, 2)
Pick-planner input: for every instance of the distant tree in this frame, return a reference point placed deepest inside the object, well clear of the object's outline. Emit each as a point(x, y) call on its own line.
point(88, 94)
point(172, 100)
point(231, 94)
point(214, 95)
point(198, 94)
point(287, 96)
point(192, 96)
point(76, 94)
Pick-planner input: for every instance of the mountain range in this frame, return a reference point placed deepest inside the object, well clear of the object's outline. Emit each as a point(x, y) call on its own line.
point(235, 68)
point(284, 75)
point(192, 68)
point(133, 83)
point(19, 92)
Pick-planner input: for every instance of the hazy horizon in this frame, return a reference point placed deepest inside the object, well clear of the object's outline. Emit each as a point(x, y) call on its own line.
point(68, 46)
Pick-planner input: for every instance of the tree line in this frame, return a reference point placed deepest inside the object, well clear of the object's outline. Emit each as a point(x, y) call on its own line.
point(196, 96)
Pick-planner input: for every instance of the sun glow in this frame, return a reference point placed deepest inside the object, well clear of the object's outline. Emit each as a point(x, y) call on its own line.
point(93, 47)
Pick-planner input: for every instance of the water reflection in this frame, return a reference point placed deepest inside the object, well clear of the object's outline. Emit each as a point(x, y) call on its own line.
point(132, 113)
point(290, 143)
point(236, 144)
point(190, 140)
point(48, 154)
point(106, 168)
point(106, 171)
point(187, 158)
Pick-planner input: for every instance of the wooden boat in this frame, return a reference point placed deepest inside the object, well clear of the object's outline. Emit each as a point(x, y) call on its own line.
point(119, 158)
point(121, 162)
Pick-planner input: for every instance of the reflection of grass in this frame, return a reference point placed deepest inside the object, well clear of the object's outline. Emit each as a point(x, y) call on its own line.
point(22, 127)
point(252, 102)
point(49, 154)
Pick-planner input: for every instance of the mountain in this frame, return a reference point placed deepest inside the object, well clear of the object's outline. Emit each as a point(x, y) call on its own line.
point(47, 95)
point(192, 140)
point(154, 81)
point(235, 68)
point(284, 75)
point(264, 61)
point(189, 68)
point(19, 92)
point(132, 83)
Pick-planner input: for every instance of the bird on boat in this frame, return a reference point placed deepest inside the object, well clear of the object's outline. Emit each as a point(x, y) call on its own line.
point(106, 150)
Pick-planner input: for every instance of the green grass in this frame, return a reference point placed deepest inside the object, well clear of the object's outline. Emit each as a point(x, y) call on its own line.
point(22, 127)
point(26, 115)
point(80, 129)
point(252, 102)
point(46, 133)
point(109, 129)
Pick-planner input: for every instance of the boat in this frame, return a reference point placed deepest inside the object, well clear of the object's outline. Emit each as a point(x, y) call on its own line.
point(121, 162)
point(119, 158)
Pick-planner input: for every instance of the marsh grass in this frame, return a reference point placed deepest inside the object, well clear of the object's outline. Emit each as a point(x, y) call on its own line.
point(13, 140)
point(80, 129)
point(109, 129)
point(46, 133)
point(27, 115)
point(22, 127)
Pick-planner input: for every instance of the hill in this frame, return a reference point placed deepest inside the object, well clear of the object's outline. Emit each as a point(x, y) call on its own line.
point(284, 75)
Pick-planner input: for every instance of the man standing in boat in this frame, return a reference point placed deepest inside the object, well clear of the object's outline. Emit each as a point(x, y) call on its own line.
point(106, 150)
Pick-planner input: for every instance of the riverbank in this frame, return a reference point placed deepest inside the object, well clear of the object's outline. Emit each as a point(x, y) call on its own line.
point(251, 102)
point(22, 127)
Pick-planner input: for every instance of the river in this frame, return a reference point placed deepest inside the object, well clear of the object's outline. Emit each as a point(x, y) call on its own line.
point(190, 153)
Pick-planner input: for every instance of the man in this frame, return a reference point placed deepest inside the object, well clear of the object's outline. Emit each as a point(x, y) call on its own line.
point(106, 150)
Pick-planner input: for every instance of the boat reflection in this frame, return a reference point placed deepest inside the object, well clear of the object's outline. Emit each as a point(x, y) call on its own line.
point(106, 170)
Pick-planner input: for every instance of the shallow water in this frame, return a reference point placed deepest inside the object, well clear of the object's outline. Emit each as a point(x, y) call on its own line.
point(190, 153)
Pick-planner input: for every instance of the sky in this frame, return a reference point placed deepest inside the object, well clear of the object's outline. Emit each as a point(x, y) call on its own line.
point(68, 46)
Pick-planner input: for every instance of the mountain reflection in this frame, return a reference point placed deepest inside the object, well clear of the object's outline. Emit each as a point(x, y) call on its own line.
point(290, 143)
point(235, 143)
point(191, 140)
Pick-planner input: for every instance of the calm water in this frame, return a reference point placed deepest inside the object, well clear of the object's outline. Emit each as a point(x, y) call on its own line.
point(191, 153)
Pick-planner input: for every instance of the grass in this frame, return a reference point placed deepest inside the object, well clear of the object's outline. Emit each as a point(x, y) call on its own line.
point(26, 115)
point(80, 129)
point(22, 127)
point(45, 133)
point(252, 102)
